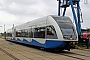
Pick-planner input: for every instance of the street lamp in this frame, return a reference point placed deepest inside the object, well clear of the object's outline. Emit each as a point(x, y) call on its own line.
point(4, 32)
point(4, 28)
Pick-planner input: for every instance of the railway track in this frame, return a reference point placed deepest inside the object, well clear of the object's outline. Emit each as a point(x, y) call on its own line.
point(20, 52)
point(15, 58)
point(25, 51)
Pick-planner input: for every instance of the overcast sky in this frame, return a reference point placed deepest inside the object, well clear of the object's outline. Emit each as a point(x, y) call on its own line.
point(20, 11)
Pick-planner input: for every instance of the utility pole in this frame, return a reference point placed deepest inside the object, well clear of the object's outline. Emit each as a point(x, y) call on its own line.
point(4, 27)
point(0, 26)
point(4, 32)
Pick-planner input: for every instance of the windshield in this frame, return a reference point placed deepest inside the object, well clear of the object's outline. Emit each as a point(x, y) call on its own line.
point(66, 27)
point(67, 31)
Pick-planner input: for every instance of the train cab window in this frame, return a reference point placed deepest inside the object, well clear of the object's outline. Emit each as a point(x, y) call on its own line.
point(51, 33)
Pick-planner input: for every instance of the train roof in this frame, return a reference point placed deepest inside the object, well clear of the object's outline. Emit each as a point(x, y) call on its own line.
point(43, 19)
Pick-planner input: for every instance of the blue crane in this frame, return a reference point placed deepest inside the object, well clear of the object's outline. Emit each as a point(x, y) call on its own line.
point(76, 14)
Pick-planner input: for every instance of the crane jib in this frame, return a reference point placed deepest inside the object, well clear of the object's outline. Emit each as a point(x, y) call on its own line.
point(76, 14)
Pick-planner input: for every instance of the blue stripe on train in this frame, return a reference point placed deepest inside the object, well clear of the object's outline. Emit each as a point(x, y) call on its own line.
point(47, 44)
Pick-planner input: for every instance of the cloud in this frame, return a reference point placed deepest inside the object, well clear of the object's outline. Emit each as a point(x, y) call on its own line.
point(21, 11)
point(7, 19)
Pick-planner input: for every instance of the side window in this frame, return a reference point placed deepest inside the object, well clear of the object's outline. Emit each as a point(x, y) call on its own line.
point(51, 33)
point(30, 33)
point(8, 34)
point(39, 32)
point(18, 33)
point(36, 33)
point(24, 33)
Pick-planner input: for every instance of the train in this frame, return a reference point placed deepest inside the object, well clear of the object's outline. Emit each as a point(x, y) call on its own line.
point(49, 32)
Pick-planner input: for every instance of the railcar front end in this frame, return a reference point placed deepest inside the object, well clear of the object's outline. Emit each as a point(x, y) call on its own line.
point(67, 32)
point(51, 32)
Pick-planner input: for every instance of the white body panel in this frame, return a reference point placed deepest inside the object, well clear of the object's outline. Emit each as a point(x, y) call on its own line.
point(45, 21)
point(21, 38)
point(58, 31)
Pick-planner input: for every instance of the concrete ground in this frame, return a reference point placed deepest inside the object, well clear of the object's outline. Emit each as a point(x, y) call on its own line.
point(4, 56)
point(13, 51)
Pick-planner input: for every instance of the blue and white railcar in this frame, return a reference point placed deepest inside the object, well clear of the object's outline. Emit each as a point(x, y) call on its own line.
point(48, 32)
